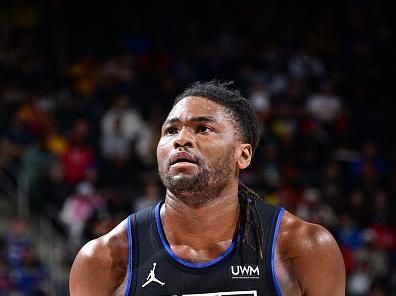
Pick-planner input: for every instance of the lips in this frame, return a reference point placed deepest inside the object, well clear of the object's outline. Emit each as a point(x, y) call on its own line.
point(182, 157)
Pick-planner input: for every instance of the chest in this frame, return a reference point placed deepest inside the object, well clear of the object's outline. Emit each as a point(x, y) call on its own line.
point(160, 274)
point(155, 270)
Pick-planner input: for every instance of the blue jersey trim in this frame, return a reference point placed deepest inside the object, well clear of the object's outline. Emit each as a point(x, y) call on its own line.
point(181, 261)
point(130, 257)
point(274, 241)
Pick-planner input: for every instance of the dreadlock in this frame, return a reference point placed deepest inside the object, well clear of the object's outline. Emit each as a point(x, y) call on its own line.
point(246, 124)
point(249, 218)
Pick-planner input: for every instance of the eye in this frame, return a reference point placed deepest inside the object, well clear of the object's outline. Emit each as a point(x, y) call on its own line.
point(203, 129)
point(170, 130)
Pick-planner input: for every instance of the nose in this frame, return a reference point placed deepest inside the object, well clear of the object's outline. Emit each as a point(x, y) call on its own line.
point(184, 139)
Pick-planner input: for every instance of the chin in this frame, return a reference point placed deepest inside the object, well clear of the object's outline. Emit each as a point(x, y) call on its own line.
point(183, 182)
point(190, 198)
point(182, 177)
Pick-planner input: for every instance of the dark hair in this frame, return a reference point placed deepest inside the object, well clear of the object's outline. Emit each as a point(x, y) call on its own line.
point(246, 124)
point(239, 108)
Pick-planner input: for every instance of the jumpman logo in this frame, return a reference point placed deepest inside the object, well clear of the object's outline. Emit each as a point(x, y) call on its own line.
point(151, 277)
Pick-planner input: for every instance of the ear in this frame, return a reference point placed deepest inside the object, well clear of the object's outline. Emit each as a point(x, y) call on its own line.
point(245, 153)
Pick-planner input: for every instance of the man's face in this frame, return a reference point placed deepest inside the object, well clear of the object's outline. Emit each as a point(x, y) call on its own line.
point(197, 150)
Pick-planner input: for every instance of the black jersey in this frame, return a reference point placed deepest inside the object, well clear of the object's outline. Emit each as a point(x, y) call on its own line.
point(155, 270)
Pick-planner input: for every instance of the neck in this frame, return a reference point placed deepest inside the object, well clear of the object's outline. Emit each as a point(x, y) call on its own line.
point(209, 226)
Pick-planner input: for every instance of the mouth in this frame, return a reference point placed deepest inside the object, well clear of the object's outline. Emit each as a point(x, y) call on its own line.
point(182, 158)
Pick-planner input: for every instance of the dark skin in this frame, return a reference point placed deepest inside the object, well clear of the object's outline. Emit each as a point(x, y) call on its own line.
point(307, 260)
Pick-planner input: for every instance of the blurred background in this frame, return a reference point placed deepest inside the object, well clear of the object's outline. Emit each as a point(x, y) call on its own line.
point(84, 88)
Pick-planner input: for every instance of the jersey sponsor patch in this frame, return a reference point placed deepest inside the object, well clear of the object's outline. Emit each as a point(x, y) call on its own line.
point(236, 293)
point(245, 272)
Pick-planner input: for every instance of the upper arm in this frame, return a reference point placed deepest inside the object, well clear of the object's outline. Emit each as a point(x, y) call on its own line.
point(319, 266)
point(91, 271)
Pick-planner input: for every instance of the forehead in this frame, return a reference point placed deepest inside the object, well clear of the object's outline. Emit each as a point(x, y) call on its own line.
point(193, 106)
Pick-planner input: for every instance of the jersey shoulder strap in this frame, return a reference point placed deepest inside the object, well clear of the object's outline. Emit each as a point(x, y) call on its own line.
point(137, 223)
point(270, 218)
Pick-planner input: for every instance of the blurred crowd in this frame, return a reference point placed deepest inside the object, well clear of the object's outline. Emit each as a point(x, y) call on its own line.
point(82, 100)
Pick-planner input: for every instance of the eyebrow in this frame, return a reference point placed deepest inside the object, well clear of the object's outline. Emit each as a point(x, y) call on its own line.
point(192, 119)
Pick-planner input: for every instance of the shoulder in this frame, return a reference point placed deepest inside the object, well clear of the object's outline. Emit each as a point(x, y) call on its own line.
point(101, 265)
point(296, 235)
point(312, 255)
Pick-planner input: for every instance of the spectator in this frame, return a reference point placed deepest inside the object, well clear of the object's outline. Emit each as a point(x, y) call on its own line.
point(16, 240)
point(77, 209)
point(314, 210)
point(78, 161)
point(260, 98)
point(359, 207)
point(29, 277)
point(349, 235)
point(375, 257)
point(36, 165)
point(369, 155)
point(324, 106)
point(359, 281)
point(123, 131)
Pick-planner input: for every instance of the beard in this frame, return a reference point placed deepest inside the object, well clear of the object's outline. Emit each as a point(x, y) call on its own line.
point(204, 185)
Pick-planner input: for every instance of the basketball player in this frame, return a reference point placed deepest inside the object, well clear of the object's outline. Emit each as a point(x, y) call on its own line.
point(212, 235)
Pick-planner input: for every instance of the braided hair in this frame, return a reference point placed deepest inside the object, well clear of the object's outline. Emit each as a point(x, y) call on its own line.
point(246, 124)
point(250, 219)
